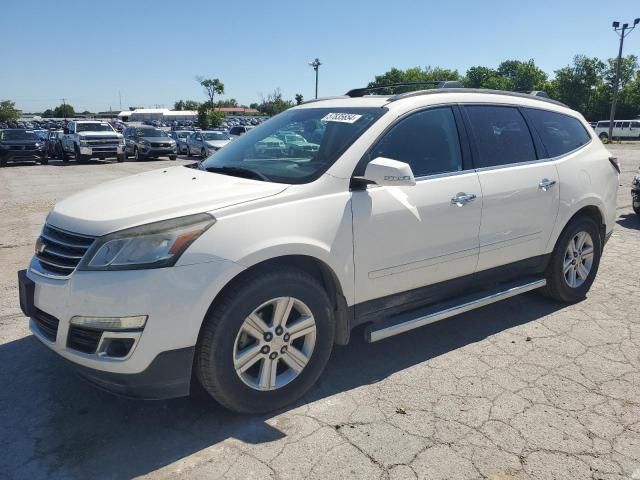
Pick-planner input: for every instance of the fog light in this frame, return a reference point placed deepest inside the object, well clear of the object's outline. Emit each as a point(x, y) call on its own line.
point(119, 347)
point(111, 323)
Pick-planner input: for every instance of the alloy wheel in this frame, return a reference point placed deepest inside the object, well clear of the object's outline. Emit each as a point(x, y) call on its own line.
point(578, 259)
point(274, 343)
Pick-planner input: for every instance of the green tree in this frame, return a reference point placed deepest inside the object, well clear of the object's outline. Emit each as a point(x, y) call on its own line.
point(216, 118)
point(254, 105)
point(179, 105)
point(8, 111)
point(299, 98)
point(273, 103)
point(48, 113)
point(64, 111)
point(230, 103)
point(412, 75)
point(190, 105)
point(522, 76)
point(212, 87)
point(485, 77)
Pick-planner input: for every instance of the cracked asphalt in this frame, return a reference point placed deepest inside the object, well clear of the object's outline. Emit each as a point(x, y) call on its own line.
point(523, 389)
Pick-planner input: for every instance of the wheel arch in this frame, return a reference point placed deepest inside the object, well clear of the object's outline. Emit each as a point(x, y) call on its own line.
point(308, 264)
point(591, 211)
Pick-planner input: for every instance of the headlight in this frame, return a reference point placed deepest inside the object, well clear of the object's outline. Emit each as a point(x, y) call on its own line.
point(154, 245)
point(84, 141)
point(121, 142)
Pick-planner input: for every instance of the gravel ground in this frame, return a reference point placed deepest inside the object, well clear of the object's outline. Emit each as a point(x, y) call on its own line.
point(523, 389)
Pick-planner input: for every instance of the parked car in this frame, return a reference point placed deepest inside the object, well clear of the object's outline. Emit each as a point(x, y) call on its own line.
point(148, 142)
point(243, 272)
point(21, 145)
point(86, 139)
point(238, 130)
point(54, 143)
point(622, 129)
point(180, 137)
point(296, 144)
point(206, 142)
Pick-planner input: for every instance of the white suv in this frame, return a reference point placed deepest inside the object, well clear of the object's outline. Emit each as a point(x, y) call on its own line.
point(247, 268)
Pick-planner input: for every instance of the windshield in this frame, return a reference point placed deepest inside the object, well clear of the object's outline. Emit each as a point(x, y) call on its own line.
point(296, 146)
point(150, 132)
point(9, 135)
point(214, 136)
point(182, 134)
point(93, 127)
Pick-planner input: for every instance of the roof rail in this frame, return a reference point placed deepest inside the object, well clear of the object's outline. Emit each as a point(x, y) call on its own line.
point(313, 100)
point(537, 94)
point(361, 92)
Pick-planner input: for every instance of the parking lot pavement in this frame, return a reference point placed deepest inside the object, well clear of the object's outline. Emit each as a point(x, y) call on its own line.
point(526, 388)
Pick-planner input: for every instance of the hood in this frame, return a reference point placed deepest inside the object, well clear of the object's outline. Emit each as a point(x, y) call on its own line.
point(98, 134)
point(158, 139)
point(154, 196)
point(217, 143)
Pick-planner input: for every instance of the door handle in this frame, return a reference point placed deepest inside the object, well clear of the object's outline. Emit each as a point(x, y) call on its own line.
point(461, 199)
point(546, 184)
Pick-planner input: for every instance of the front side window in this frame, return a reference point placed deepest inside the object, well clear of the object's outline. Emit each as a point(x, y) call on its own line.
point(501, 136)
point(321, 136)
point(427, 141)
point(625, 124)
point(559, 133)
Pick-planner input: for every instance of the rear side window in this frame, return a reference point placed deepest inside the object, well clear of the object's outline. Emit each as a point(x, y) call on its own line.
point(501, 136)
point(602, 125)
point(559, 133)
point(427, 141)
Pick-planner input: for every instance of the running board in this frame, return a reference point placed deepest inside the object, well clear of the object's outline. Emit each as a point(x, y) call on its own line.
point(404, 323)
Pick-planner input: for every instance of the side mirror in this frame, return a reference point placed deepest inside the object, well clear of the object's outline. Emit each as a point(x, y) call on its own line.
point(389, 173)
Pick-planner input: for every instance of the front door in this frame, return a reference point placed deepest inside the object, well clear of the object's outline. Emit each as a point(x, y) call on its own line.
point(411, 237)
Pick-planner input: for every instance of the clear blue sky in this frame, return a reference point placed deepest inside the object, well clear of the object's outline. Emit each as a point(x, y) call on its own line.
point(151, 51)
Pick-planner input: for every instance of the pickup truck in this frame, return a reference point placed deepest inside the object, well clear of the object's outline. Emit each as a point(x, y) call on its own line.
point(86, 139)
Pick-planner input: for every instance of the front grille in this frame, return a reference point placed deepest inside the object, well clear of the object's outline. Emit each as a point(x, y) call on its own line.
point(59, 252)
point(159, 145)
point(102, 141)
point(84, 340)
point(47, 324)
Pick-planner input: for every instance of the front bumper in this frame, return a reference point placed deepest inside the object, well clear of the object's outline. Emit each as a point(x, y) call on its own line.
point(158, 151)
point(176, 300)
point(19, 155)
point(103, 150)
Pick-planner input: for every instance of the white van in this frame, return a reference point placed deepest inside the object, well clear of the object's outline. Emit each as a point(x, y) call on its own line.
point(621, 129)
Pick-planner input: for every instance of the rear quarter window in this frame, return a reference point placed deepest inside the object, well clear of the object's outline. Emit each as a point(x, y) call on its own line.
point(559, 133)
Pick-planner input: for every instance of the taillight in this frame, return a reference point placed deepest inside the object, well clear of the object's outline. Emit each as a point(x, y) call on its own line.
point(615, 163)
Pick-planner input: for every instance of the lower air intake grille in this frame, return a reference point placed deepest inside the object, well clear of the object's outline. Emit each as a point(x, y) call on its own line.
point(47, 324)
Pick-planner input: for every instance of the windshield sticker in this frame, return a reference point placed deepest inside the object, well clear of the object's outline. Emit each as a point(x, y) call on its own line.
point(341, 117)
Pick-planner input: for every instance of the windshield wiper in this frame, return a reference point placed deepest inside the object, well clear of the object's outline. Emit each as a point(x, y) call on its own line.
point(239, 172)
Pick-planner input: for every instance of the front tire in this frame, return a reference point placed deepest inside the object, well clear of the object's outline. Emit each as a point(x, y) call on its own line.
point(604, 138)
point(636, 207)
point(122, 157)
point(574, 262)
point(266, 342)
point(172, 157)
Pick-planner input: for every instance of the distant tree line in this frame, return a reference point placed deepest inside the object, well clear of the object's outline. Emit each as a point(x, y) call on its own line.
point(585, 85)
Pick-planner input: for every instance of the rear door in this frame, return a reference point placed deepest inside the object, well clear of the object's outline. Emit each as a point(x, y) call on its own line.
point(520, 192)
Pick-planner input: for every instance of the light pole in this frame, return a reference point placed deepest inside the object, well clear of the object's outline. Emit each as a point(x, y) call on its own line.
point(316, 64)
point(622, 32)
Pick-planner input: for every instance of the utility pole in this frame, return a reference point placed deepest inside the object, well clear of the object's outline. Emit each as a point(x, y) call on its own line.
point(316, 65)
point(622, 33)
point(64, 108)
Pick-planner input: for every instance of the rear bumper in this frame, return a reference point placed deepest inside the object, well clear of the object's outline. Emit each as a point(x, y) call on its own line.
point(168, 376)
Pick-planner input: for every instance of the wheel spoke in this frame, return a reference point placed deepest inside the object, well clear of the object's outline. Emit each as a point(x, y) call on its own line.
point(301, 327)
point(571, 248)
point(587, 252)
point(281, 311)
point(583, 273)
point(247, 358)
point(568, 263)
point(268, 372)
point(572, 276)
point(295, 359)
point(580, 238)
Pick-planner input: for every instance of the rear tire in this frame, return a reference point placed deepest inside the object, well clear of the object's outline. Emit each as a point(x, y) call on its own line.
point(203, 153)
point(636, 207)
point(121, 158)
point(172, 157)
point(221, 338)
point(573, 265)
point(604, 138)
